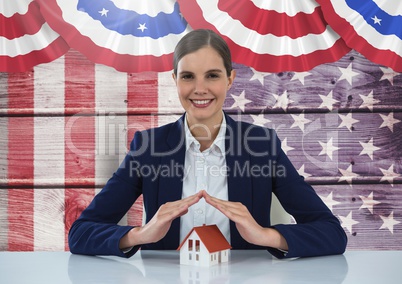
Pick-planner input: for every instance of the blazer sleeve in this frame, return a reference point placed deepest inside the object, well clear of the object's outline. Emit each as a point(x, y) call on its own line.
point(96, 231)
point(317, 231)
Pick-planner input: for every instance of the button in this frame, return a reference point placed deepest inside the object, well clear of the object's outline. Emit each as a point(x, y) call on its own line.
point(200, 211)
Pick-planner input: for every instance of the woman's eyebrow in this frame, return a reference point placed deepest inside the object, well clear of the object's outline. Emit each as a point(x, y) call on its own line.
point(214, 70)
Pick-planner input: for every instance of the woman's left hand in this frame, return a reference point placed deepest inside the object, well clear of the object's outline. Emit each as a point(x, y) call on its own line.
point(248, 228)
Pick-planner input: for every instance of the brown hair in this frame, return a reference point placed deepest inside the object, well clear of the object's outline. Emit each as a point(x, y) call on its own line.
point(197, 39)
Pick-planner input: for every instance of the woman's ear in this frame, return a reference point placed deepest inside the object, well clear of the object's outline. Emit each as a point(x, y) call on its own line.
point(231, 78)
point(174, 78)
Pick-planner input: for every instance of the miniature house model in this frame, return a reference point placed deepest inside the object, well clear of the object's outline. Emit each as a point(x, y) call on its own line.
point(204, 246)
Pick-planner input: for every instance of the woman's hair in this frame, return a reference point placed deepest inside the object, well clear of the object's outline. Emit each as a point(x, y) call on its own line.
point(198, 39)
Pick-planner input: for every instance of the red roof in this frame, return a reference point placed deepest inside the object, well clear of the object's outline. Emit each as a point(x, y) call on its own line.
point(211, 237)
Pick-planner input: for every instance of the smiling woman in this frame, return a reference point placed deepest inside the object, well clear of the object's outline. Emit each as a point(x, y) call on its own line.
point(204, 138)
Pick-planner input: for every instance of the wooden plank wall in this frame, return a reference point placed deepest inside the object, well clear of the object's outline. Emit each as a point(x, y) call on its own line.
point(65, 127)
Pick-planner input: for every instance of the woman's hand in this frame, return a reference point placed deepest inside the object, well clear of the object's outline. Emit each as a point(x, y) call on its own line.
point(160, 223)
point(248, 228)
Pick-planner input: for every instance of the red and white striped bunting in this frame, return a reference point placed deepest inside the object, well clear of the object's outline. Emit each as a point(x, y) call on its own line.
point(26, 39)
point(271, 36)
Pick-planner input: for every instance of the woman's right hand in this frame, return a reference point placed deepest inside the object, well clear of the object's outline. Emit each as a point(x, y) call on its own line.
point(160, 223)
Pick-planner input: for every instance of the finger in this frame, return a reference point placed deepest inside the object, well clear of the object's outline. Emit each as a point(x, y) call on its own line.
point(190, 200)
point(216, 201)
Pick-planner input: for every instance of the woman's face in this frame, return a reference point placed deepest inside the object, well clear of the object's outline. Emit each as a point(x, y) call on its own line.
point(202, 84)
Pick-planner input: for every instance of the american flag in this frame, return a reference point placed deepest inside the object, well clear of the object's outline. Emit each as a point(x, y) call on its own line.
point(65, 127)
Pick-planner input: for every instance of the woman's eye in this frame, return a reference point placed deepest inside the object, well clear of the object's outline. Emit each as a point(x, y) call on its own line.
point(213, 75)
point(187, 76)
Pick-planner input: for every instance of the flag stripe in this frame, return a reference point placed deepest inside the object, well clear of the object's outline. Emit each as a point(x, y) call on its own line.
point(79, 136)
point(110, 101)
point(142, 97)
point(20, 165)
point(290, 7)
point(49, 158)
point(266, 21)
point(80, 122)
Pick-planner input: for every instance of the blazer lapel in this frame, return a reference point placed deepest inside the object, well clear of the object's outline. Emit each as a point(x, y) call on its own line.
point(239, 179)
point(171, 184)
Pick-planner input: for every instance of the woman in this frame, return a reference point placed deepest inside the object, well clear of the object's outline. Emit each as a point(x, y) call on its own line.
point(207, 168)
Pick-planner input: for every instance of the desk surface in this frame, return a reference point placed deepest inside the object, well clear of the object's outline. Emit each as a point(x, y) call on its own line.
point(163, 267)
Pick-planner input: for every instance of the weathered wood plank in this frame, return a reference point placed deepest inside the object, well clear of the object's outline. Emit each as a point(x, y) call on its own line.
point(20, 219)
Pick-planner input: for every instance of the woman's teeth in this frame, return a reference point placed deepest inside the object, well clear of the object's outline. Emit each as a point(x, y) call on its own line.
point(201, 102)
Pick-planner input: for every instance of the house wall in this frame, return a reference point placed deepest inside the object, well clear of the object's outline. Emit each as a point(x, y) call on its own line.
point(204, 258)
point(65, 127)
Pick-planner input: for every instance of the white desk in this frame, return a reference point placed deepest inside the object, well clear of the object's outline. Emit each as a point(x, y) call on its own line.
point(163, 267)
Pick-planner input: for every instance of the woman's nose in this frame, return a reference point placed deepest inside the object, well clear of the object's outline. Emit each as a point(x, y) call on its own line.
point(200, 87)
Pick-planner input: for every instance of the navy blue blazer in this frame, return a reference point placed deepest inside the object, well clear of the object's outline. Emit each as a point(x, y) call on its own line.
point(256, 168)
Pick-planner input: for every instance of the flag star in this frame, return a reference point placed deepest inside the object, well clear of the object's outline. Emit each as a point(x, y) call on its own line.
point(142, 27)
point(327, 101)
point(347, 175)
point(282, 101)
point(329, 201)
point(389, 222)
point(328, 148)
point(368, 148)
point(389, 121)
point(259, 119)
point(368, 101)
point(347, 73)
point(347, 222)
point(368, 202)
point(300, 76)
point(302, 172)
point(300, 121)
point(389, 175)
point(258, 76)
point(240, 101)
point(285, 146)
point(376, 20)
point(347, 121)
point(103, 12)
point(389, 74)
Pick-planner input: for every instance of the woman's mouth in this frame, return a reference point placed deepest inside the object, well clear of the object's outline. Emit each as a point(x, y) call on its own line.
point(201, 103)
